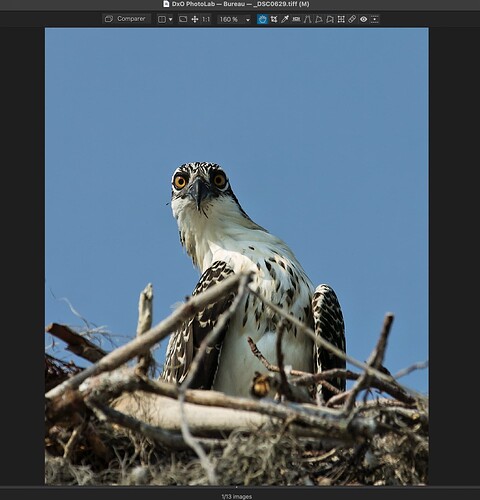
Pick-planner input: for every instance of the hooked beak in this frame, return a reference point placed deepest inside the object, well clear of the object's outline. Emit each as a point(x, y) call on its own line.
point(199, 191)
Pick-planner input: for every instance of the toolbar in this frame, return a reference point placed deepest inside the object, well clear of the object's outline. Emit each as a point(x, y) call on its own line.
point(272, 20)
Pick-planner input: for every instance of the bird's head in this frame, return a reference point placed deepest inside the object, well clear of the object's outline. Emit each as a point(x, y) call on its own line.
point(205, 207)
point(199, 186)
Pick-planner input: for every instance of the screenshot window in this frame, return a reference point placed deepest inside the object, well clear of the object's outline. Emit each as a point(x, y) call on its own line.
point(324, 341)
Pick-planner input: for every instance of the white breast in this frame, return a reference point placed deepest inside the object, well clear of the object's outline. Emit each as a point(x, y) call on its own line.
point(221, 232)
point(237, 364)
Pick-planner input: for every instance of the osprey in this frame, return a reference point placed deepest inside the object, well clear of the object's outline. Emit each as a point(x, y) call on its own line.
point(221, 239)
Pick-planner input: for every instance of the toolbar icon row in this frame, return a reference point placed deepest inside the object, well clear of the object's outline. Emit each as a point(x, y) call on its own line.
point(185, 19)
point(317, 19)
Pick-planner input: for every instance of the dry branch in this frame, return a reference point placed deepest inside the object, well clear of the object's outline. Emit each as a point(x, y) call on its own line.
point(300, 378)
point(284, 388)
point(375, 360)
point(145, 315)
point(208, 340)
point(327, 422)
point(421, 365)
point(140, 344)
point(213, 334)
point(178, 418)
point(330, 347)
point(76, 343)
point(74, 438)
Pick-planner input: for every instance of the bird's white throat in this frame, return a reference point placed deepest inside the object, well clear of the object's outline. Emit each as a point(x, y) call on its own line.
point(219, 227)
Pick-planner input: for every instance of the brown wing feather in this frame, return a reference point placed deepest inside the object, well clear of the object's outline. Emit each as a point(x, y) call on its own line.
point(184, 343)
point(328, 324)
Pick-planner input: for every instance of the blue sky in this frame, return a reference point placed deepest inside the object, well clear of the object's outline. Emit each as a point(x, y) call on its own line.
point(323, 133)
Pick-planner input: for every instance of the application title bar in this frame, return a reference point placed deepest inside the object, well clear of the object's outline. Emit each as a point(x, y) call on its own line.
point(324, 5)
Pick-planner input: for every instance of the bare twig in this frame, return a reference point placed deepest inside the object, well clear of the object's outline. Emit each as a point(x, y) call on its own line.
point(208, 467)
point(257, 353)
point(327, 421)
point(145, 315)
point(74, 438)
point(213, 334)
point(139, 344)
point(330, 347)
point(76, 343)
point(319, 421)
point(304, 379)
point(375, 361)
point(308, 331)
point(392, 388)
point(208, 340)
point(331, 388)
point(421, 365)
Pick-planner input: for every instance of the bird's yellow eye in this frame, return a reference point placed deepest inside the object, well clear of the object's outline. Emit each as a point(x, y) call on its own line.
point(180, 181)
point(219, 180)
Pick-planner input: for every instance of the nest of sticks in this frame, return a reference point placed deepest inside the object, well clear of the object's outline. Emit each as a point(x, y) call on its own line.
point(113, 423)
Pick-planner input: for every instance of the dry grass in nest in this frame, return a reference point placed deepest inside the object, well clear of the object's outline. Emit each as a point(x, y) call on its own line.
point(269, 457)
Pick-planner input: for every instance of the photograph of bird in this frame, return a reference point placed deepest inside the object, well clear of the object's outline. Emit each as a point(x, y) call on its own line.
point(221, 239)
